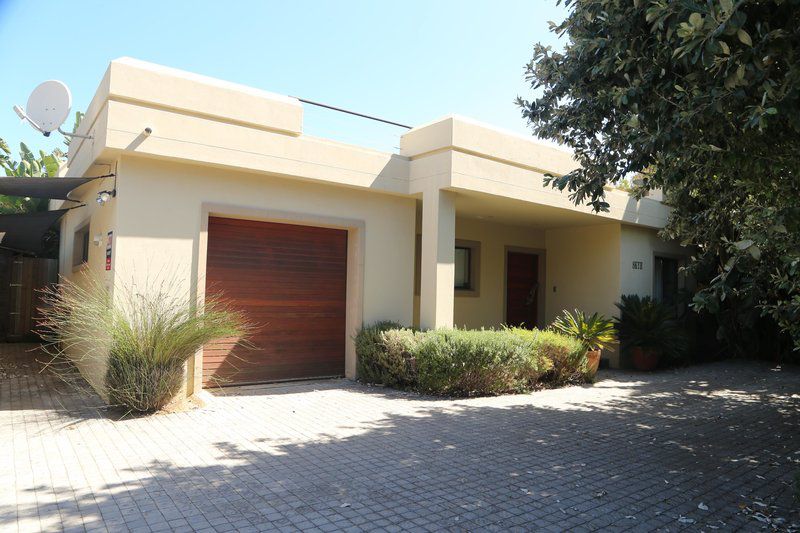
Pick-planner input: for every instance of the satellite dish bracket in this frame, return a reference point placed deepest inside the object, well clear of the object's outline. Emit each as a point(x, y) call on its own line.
point(78, 135)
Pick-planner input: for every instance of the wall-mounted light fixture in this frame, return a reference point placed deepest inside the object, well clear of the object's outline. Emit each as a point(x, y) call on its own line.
point(105, 196)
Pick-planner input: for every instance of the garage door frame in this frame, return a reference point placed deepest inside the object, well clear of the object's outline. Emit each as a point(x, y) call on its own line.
point(355, 268)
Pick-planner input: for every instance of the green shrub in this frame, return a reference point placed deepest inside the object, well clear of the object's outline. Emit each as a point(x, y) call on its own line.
point(463, 362)
point(371, 363)
point(458, 362)
point(400, 348)
point(145, 334)
point(565, 355)
point(385, 354)
point(647, 323)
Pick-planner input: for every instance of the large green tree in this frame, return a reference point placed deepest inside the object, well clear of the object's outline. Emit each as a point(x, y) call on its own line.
point(701, 99)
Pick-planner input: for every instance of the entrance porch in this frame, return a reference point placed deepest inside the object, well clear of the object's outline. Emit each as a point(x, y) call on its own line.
point(486, 261)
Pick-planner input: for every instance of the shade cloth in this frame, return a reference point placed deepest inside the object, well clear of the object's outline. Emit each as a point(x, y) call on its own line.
point(52, 188)
point(29, 232)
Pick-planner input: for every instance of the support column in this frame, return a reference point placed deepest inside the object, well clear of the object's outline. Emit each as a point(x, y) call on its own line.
point(437, 261)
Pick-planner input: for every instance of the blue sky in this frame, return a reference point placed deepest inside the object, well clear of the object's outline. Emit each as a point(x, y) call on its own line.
point(409, 61)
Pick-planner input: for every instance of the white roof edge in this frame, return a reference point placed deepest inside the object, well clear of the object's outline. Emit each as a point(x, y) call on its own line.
point(491, 127)
point(208, 80)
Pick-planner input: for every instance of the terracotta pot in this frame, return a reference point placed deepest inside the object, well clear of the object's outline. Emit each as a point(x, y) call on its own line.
point(592, 362)
point(645, 358)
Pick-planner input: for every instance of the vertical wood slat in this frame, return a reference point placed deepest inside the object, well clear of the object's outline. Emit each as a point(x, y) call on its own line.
point(28, 276)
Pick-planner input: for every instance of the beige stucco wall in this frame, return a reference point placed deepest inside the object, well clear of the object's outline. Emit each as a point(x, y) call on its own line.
point(160, 221)
point(643, 244)
point(89, 358)
point(583, 272)
point(583, 269)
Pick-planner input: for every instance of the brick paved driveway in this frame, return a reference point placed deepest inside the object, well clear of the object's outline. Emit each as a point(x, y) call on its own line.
point(635, 451)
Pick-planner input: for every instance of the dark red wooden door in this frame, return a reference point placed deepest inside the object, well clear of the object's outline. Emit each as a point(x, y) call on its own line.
point(522, 289)
point(291, 281)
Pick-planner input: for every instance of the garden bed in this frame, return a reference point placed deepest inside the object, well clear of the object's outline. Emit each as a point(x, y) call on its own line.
point(458, 362)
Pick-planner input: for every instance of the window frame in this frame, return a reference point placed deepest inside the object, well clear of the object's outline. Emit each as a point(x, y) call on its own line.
point(81, 240)
point(474, 267)
point(474, 274)
point(469, 282)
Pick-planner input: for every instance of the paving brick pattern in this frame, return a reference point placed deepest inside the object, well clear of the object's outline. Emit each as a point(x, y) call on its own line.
point(633, 452)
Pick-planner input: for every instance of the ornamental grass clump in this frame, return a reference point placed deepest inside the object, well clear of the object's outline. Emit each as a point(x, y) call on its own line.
point(142, 335)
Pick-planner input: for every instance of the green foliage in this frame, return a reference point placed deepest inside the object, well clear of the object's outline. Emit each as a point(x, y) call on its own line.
point(647, 323)
point(145, 334)
point(78, 119)
point(565, 355)
point(459, 362)
point(467, 362)
point(699, 99)
point(371, 363)
point(29, 165)
point(385, 354)
point(594, 331)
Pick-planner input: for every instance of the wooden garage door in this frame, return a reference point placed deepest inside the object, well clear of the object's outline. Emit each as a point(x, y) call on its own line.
point(291, 281)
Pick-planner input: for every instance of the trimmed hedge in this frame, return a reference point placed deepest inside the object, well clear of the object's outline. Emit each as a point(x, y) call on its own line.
point(566, 355)
point(457, 362)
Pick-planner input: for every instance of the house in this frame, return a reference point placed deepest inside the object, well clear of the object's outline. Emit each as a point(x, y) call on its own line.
point(217, 184)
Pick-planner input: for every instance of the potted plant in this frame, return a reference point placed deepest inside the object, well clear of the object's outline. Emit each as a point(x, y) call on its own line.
point(649, 330)
point(593, 331)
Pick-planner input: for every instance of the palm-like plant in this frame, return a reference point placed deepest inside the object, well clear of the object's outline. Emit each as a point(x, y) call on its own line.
point(594, 331)
point(646, 323)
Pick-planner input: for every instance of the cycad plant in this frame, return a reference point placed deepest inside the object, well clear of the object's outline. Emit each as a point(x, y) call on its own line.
point(143, 335)
point(594, 331)
point(646, 323)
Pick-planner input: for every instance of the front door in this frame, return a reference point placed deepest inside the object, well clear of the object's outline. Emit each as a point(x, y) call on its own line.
point(522, 289)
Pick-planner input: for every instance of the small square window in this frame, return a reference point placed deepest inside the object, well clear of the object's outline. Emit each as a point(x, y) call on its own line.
point(463, 263)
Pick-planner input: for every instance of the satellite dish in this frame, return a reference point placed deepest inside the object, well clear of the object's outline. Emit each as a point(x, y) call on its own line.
point(49, 105)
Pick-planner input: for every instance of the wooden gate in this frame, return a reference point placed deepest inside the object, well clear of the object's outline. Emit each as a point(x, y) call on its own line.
point(23, 278)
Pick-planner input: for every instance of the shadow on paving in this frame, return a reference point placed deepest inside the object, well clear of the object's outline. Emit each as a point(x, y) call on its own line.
point(29, 382)
point(724, 435)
